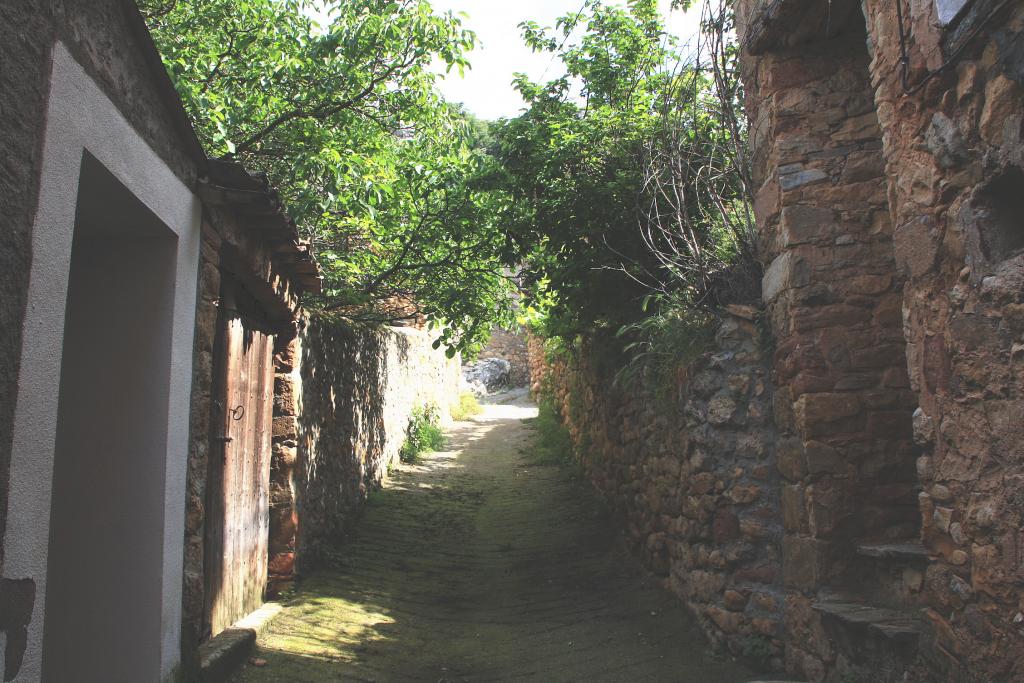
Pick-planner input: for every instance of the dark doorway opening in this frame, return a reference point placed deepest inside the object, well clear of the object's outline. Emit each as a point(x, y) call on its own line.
point(104, 599)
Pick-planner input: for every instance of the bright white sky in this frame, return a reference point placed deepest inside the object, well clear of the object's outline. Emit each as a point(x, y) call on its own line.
point(487, 89)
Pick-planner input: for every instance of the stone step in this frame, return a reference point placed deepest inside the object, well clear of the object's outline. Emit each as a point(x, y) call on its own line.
point(909, 552)
point(889, 573)
point(222, 655)
point(873, 637)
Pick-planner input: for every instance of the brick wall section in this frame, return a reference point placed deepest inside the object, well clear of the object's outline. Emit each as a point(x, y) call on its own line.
point(359, 387)
point(689, 469)
point(510, 345)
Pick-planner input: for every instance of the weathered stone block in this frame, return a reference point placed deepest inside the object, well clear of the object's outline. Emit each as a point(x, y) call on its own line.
point(863, 127)
point(837, 315)
point(804, 223)
point(729, 622)
point(803, 562)
point(1003, 99)
point(868, 285)
point(725, 527)
point(863, 166)
point(815, 411)
point(945, 141)
point(286, 395)
point(824, 509)
point(744, 493)
point(782, 408)
point(735, 600)
point(916, 246)
point(793, 515)
point(789, 458)
point(721, 408)
point(942, 517)
point(285, 427)
point(288, 358)
point(786, 271)
point(799, 178)
point(767, 201)
point(823, 459)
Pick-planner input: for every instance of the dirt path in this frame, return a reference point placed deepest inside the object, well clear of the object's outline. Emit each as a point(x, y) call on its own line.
point(480, 565)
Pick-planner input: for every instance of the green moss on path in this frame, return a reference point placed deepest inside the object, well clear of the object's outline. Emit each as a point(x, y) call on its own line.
point(477, 564)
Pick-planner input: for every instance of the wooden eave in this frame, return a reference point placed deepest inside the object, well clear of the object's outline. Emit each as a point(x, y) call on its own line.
point(260, 211)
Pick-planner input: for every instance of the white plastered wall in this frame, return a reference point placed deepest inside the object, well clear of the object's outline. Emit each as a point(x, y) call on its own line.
point(81, 118)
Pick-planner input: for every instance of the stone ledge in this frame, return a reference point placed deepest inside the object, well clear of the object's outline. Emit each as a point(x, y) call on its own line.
point(222, 654)
point(780, 24)
point(854, 626)
point(903, 552)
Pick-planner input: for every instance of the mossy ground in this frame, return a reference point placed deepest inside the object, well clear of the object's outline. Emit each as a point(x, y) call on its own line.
point(481, 564)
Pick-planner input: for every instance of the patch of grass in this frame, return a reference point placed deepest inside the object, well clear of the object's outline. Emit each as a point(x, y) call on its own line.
point(672, 336)
point(467, 407)
point(423, 434)
point(757, 651)
point(553, 445)
point(376, 496)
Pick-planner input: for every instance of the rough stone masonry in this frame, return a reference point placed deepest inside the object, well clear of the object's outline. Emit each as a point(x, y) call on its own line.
point(871, 526)
point(890, 133)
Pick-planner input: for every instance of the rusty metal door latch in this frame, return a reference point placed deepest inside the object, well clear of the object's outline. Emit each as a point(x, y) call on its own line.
point(236, 414)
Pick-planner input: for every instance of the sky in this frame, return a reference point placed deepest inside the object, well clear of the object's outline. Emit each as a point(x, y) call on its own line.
point(486, 90)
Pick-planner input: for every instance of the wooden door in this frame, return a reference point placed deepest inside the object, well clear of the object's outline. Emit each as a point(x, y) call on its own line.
point(238, 509)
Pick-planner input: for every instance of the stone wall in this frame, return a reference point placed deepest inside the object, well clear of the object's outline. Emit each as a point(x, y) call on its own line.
point(843, 404)
point(955, 165)
point(107, 38)
point(915, 171)
point(356, 389)
point(510, 345)
point(687, 464)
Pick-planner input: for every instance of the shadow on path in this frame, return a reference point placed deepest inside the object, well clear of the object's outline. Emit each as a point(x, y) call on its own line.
point(480, 565)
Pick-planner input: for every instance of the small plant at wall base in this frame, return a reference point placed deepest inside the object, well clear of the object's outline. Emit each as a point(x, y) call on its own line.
point(757, 651)
point(553, 445)
point(423, 435)
point(672, 337)
point(467, 407)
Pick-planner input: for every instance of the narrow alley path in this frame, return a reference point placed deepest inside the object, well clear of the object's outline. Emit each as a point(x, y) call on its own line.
point(481, 564)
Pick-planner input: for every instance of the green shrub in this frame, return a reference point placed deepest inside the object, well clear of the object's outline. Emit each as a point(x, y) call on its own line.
point(423, 434)
point(553, 445)
point(467, 407)
point(757, 651)
point(672, 336)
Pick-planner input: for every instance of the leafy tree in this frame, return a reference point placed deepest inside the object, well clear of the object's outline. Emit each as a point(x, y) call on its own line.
point(570, 164)
point(626, 201)
point(380, 174)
